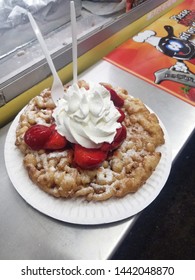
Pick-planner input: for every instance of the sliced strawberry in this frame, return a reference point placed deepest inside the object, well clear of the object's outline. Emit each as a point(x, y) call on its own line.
point(106, 147)
point(88, 158)
point(120, 136)
point(122, 117)
point(56, 141)
point(117, 100)
point(191, 94)
point(36, 136)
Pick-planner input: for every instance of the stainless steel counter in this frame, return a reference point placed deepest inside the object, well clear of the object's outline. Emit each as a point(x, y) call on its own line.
point(26, 233)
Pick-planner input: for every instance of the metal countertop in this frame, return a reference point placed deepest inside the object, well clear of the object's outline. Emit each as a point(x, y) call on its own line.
point(26, 233)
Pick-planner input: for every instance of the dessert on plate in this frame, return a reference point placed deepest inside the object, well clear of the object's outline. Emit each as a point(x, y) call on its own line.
point(97, 143)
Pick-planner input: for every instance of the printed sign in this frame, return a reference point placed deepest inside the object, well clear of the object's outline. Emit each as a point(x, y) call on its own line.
point(164, 52)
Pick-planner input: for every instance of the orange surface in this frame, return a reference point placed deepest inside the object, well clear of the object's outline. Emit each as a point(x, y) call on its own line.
point(143, 59)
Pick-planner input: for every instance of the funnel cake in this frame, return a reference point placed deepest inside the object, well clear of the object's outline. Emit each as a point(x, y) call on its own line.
point(124, 170)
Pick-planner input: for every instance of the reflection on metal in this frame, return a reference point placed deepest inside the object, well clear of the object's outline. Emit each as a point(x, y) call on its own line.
point(2, 99)
point(31, 73)
point(15, 28)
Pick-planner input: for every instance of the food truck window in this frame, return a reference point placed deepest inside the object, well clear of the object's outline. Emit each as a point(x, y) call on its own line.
point(20, 51)
point(22, 63)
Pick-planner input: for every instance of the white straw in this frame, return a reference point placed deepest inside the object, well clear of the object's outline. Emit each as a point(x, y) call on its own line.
point(74, 40)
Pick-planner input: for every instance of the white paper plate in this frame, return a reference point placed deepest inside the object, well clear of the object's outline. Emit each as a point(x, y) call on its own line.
point(77, 210)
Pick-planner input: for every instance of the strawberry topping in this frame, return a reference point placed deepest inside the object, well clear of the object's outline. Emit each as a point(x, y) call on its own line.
point(56, 141)
point(191, 94)
point(122, 117)
point(88, 158)
point(121, 134)
point(44, 137)
point(117, 100)
point(118, 139)
point(36, 136)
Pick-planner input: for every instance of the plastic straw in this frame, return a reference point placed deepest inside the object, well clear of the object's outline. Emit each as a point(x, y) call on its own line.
point(74, 40)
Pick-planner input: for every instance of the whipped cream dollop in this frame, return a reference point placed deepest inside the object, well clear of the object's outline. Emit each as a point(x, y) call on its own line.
point(87, 116)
